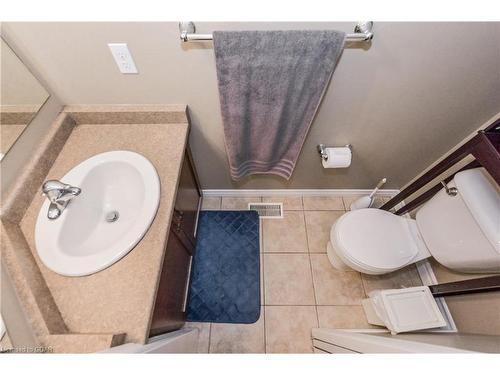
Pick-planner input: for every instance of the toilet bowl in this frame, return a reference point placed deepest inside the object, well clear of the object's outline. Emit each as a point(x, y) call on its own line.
point(460, 232)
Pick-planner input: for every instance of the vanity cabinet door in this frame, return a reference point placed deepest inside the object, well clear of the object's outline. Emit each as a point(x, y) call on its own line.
point(169, 308)
point(188, 200)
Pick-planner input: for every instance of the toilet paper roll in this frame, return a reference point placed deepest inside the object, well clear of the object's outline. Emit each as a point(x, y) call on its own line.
point(338, 157)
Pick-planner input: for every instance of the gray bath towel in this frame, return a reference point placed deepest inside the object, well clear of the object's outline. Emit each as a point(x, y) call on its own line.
point(270, 86)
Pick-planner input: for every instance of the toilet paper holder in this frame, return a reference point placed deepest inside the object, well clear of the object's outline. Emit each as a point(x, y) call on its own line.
point(322, 151)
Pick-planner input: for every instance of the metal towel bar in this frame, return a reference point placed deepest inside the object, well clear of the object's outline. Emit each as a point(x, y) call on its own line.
point(362, 32)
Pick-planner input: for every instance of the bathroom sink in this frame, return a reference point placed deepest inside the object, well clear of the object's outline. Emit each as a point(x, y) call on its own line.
point(120, 194)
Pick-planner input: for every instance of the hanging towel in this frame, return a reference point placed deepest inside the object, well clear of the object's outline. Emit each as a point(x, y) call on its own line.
point(270, 86)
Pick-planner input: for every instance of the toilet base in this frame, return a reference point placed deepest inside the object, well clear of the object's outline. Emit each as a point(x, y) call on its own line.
point(335, 260)
point(338, 263)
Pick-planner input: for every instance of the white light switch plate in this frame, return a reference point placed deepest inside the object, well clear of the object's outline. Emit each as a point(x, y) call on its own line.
point(123, 58)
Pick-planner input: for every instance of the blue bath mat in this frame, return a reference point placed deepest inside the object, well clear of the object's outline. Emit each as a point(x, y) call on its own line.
point(225, 277)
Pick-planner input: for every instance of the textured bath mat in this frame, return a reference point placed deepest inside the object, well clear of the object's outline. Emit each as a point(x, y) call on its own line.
point(225, 278)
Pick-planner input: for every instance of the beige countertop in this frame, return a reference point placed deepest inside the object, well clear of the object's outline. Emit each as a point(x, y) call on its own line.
point(119, 299)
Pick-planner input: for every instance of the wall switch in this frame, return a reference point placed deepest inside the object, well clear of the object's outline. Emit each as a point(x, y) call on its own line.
point(123, 58)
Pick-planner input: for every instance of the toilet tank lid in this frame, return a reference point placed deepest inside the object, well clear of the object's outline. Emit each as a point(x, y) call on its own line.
point(481, 194)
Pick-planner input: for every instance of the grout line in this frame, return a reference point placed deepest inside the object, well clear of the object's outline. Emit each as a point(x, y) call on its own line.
point(320, 305)
point(324, 210)
point(307, 235)
point(288, 252)
point(312, 274)
point(265, 333)
point(297, 210)
point(262, 265)
point(209, 337)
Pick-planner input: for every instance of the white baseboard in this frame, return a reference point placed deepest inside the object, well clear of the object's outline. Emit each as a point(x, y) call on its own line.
point(292, 192)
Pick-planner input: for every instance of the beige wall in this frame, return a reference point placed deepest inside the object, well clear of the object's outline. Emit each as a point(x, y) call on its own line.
point(18, 86)
point(418, 91)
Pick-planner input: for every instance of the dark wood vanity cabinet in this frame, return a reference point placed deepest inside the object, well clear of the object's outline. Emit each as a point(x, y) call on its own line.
point(170, 305)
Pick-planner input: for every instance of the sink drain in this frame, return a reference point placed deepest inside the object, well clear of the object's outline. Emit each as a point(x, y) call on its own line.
point(112, 216)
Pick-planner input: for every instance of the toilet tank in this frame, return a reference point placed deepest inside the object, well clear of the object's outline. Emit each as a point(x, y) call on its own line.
point(462, 232)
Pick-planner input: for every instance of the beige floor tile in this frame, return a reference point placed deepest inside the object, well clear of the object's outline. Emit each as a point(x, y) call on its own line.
point(203, 335)
point(379, 201)
point(348, 199)
point(288, 328)
point(403, 278)
point(288, 279)
point(342, 317)
point(290, 203)
point(318, 226)
point(386, 198)
point(333, 287)
point(323, 203)
point(211, 203)
point(238, 338)
point(285, 235)
point(238, 203)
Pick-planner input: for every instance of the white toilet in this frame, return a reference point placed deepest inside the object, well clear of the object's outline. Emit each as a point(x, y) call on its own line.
point(461, 232)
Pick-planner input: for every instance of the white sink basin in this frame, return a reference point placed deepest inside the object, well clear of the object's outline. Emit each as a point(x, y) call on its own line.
point(81, 241)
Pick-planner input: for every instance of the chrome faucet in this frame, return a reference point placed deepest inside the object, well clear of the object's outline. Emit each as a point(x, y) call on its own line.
point(59, 194)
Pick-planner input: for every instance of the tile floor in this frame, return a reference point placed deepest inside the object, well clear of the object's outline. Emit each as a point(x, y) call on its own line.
point(300, 289)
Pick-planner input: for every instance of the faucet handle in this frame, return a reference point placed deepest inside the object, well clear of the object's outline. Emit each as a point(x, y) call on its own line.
point(59, 194)
point(61, 187)
point(53, 185)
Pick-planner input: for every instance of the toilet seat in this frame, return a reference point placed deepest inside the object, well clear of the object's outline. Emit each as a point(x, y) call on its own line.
point(373, 241)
